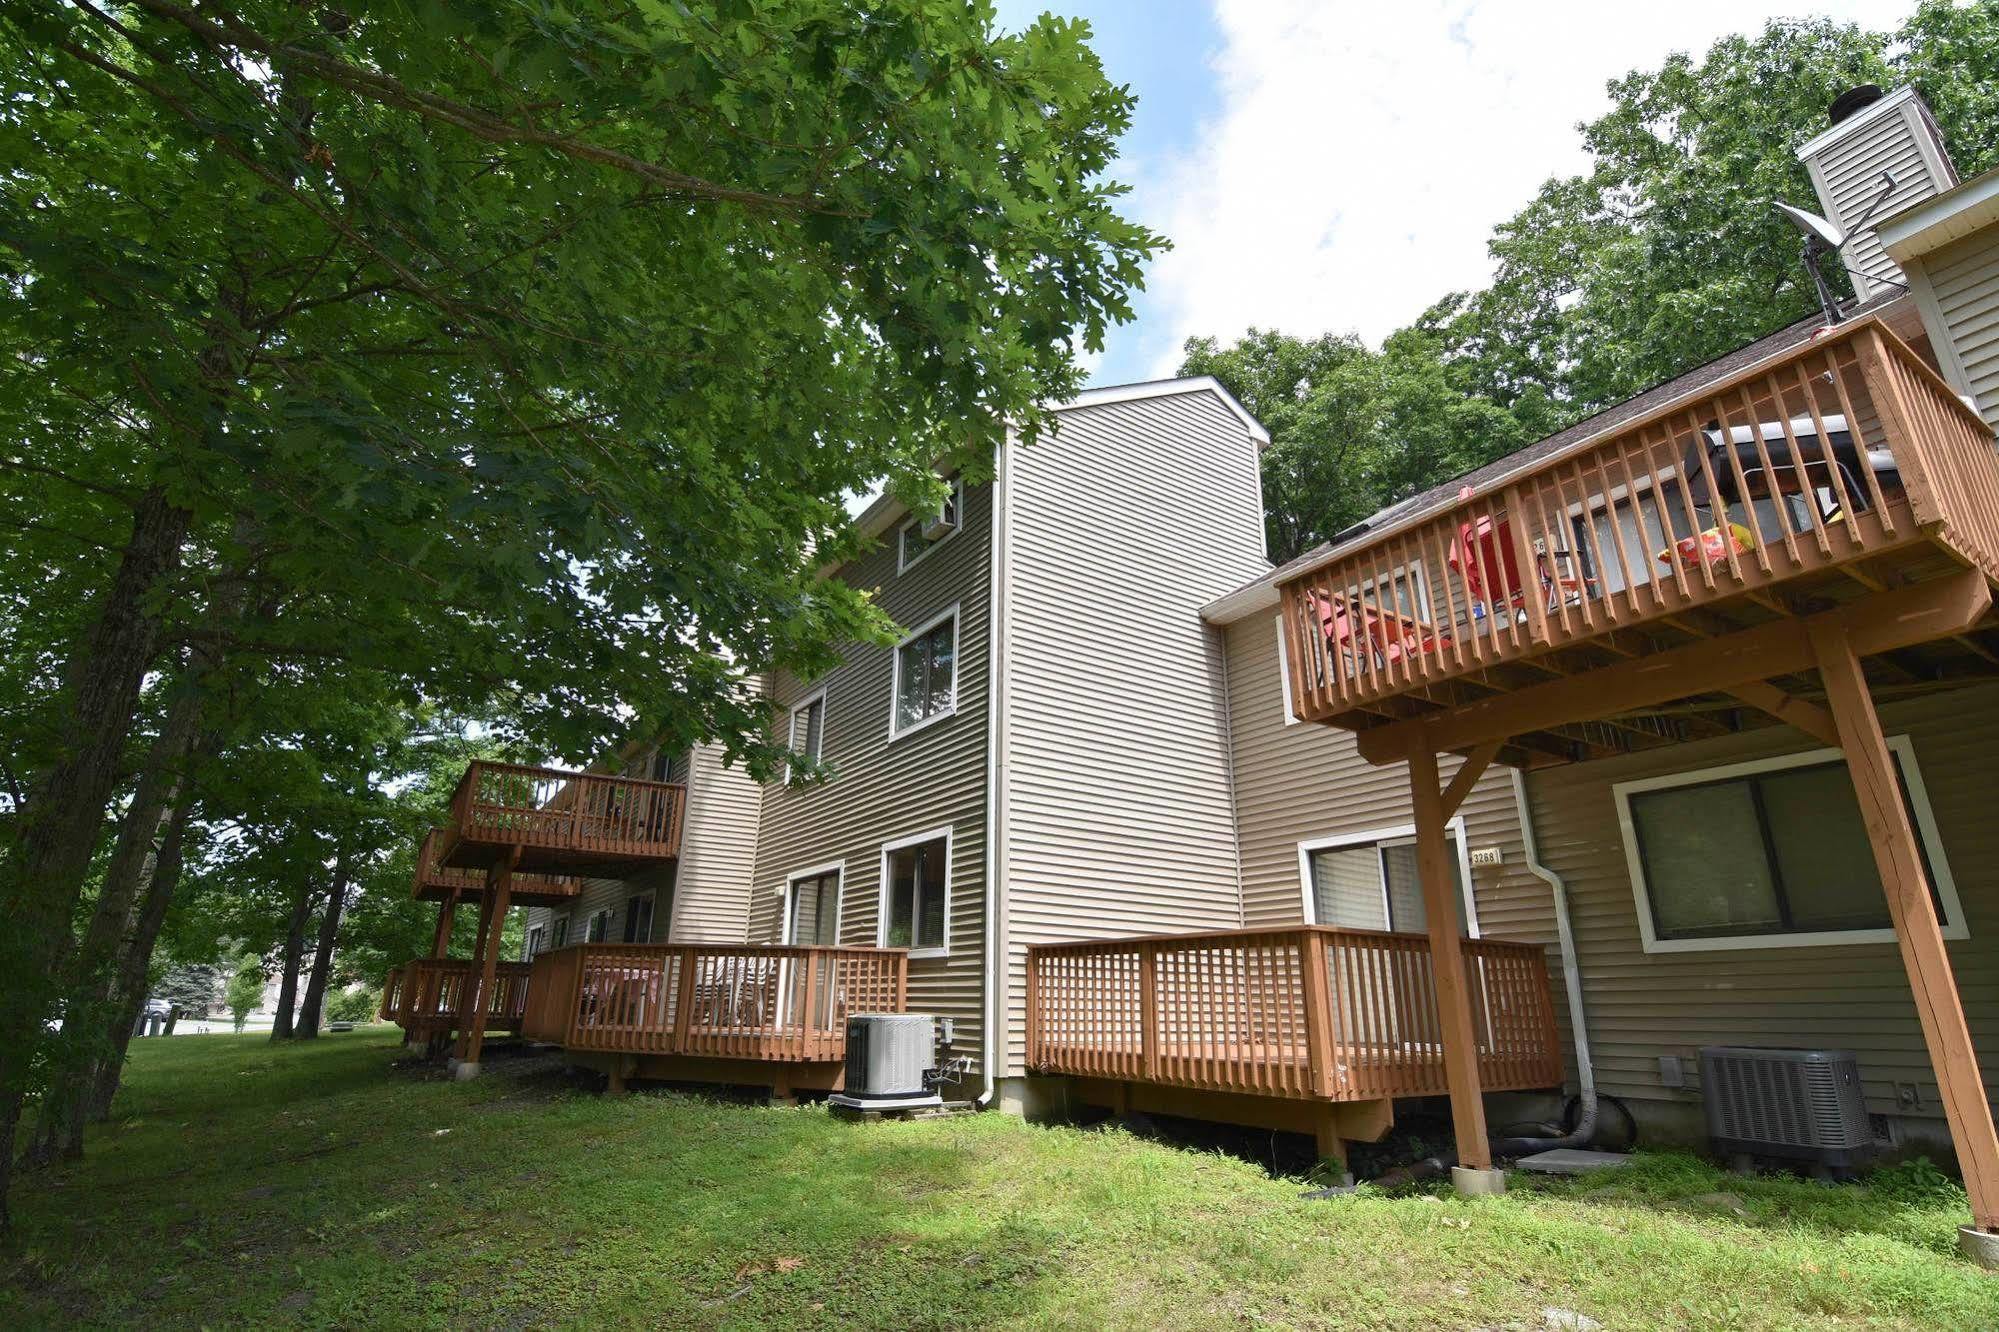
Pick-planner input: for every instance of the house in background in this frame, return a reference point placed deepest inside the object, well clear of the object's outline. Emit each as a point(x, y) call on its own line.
point(1551, 776)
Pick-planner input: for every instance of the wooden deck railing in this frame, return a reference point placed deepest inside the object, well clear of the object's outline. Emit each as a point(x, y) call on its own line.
point(1841, 450)
point(431, 993)
point(546, 809)
point(740, 1001)
point(1308, 1012)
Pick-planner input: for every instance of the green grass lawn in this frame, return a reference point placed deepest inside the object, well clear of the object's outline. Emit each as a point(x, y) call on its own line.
point(242, 1184)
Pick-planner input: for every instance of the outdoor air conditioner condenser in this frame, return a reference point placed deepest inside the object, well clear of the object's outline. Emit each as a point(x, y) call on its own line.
point(1803, 1105)
point(891, 1062)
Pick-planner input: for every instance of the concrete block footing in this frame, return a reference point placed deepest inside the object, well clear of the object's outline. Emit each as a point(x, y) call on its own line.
point(465, 1070)
point(1473, 1183)
point(1980, 1246)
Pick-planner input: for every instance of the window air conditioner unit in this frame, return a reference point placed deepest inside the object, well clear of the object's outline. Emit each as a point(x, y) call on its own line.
point(1801, 1105)
point(939, 525)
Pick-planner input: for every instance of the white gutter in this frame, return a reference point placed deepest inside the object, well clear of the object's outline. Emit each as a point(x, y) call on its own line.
point(1565, 937)
point(996, 686)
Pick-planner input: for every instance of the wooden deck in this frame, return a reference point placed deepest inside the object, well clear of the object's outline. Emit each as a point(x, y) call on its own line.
point(435, 883)
point(1862, 472)
point(561, 822)
point(720, 1012)
point(1307, 1013)
point(427, 997)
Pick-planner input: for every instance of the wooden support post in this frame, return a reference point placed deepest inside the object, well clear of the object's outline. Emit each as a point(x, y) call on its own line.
point(468, 993)
point(440, 941)
point(1326, 1130)
point(499, 884)
point(1917, 930)
point(1447, 961)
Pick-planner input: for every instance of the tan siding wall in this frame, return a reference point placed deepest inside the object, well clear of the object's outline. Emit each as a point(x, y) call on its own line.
point(1853, 996)
point(1119, 820)
point(1848, 176)
point(885, 789)
point(718, 853)
point(1963, 296)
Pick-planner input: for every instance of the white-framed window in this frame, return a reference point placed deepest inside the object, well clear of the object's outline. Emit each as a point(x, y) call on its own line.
point(1369, 881)
point(1771, 853)
point(926, 675)
point(638, 918)
point(561, 931)
point(912, 545)
point(808, 728)
point(812, 906)
point(599, 926)
point(916, 894)
point(537, 940)
point(1291, 717)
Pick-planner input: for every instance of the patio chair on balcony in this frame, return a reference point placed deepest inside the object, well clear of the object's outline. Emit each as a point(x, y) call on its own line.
point(1385, 636)
point(1484, 550)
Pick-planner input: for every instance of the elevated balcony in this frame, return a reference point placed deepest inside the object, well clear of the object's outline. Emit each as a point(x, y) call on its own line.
point(435, 883)
point(563, 822)
point(1309, 1013)
point(713, 1012)
point(427, 998)
point(1839, 472)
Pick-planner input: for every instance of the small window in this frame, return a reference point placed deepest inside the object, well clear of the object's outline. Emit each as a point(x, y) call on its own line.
point(812, 908)
point(537, 940)
point(926, 675)
point(600, 927)
point(916, 885)
point(638, 918)
point(808, 727)
point(561, 931)
point(921, 535)
point(1769, 853)
point(663, 764)
point(1370, 882)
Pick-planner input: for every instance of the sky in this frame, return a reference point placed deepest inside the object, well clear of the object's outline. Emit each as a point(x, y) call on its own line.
point(1336, 166)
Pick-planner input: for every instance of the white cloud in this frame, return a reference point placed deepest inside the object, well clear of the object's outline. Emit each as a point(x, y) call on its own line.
point(1364, 152)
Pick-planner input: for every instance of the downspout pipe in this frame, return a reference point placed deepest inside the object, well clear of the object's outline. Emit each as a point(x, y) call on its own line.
point(1565, 938)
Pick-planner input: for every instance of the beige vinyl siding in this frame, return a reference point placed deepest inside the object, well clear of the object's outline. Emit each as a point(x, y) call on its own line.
point(1300, 782)
point(1847, 172)
point(1958, 286)
point(1847, 996)
point(718, 853)
point(884, 790)
point(1118, 818)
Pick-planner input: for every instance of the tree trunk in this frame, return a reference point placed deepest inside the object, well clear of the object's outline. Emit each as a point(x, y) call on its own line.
point(134, 960)
point(322, 958)
point(91, 990)
point(65, 811)
point(281, 1020)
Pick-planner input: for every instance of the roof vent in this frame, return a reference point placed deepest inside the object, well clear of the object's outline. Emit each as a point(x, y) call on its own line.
point(1844, 105)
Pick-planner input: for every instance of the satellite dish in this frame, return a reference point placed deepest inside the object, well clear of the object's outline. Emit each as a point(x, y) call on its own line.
point(1823, 236)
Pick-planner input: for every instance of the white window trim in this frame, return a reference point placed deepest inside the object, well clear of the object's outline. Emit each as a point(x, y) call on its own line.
point(1284, 675)
point(957, 672)
point(902, 565)
point(838, 868)
point(948, 835)
point(559, 938)
point(1402, 832)
point(791, 732)
point(1926, 828)
point(536, 941)
point(591, 919)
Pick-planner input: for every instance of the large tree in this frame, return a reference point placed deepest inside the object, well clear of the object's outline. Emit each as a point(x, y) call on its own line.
point(507, 351)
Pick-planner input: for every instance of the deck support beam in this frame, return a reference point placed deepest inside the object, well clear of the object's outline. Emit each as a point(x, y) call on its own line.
point(492, 919)
point(1447, 959)
point(440, 940)
point(1912, 909)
